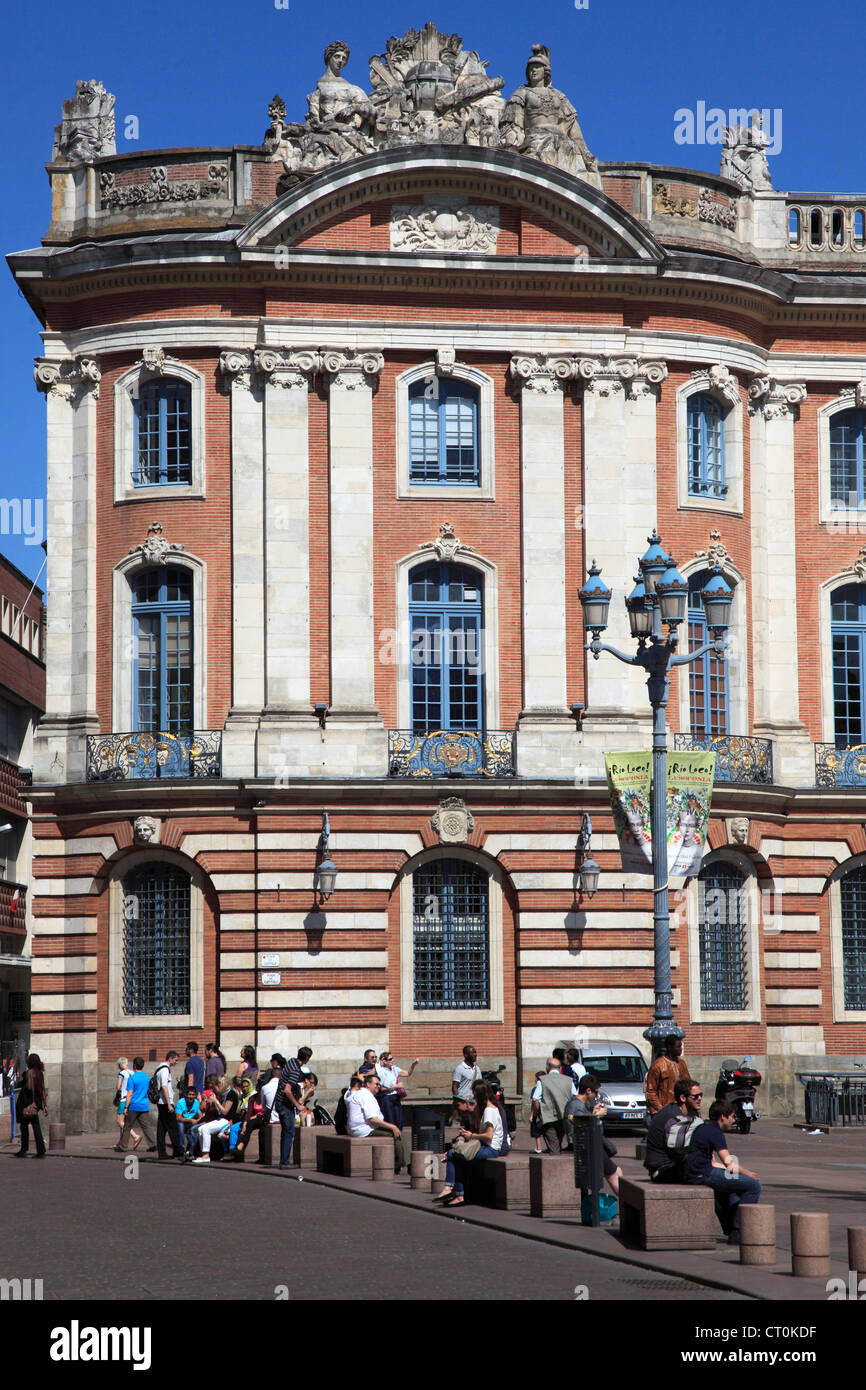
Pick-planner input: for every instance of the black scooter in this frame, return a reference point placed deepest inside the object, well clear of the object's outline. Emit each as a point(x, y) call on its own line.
point(738, 1083)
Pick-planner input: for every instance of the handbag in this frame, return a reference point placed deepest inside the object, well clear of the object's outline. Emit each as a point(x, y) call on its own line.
point(466, 1149)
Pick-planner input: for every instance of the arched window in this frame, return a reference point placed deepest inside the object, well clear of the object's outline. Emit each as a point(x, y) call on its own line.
point(450, 936)
point(848, 617)
point(443, 432)
point(445, 615)
point(708, 676)
point(722, 937)
point(163, 652)
point(847, 481)
point(853, 900)
point(706, 440)
point(156, 941)
point(163, 451)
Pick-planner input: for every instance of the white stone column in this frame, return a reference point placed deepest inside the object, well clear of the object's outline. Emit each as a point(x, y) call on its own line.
point(248, 537)
point(620, 512)
point(352, 382)
point(775, 651)
point(287, 532)
point(72, 388)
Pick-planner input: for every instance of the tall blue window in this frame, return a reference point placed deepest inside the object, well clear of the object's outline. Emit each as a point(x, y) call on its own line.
point(847, 482)
point(443, 432)
point(162, 634)
point(852, 891)
point(445, 616)
point(156, 941)
point(722, 919)
point(706, 438)
point(163, 434)
point(450, 936)
point(848, 614)
point(708, 676)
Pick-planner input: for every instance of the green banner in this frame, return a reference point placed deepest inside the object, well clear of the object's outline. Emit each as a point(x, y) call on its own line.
point(689, 794)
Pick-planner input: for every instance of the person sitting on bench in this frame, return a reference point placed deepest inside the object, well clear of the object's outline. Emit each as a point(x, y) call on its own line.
point(669, 1133)
point(489, 1140)
point(366, 1121)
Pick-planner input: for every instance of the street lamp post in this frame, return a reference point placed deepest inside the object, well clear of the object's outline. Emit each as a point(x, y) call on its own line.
point(660, 596)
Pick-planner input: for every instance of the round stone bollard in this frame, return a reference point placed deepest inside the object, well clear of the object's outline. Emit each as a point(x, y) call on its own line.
point(857, 1251)
point(420, 1169)
point(437, 1182)
point(757, 1235)
point(810, 1244)
point(56, 1136)
point(383, 1163)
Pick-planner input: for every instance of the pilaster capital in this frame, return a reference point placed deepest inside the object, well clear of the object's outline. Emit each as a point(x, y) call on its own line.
point(542, 373)
point(776, 399)
point(288, 368)
point(351, 371)
point(236, 365)
point(67, 378)
point(606, 376)
point(858, 392)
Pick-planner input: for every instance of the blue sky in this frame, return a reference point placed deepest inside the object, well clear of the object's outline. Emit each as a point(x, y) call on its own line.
point(204, 74)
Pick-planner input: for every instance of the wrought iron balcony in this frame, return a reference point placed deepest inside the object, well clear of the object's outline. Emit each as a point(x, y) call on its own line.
point(129, 757)
point(738, 758)
point(12, 779)
point(451, 753)
point(840, 767)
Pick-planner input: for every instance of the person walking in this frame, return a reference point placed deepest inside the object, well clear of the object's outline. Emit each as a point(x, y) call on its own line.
point(123, 1075)
point(668, 1067)
point(31, 1099)
point(166, 1122)
point(137, 1110)
point(553, 1092)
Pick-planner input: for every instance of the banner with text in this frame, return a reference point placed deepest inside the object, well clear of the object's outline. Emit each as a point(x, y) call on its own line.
point(689, 793)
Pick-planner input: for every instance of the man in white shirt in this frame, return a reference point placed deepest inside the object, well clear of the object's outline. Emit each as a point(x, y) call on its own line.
point(464, 1074)
point(365, 1119)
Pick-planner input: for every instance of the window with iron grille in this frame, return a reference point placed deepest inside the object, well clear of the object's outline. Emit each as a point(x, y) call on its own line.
point(443, 432)
point(156, 941)
point(848, 617)
point(445, 608)
point(450, 936)
point(722, 930)
point(853, 896)
point(706, 445)
point(847, 480)
point(163, 668)
point(708, 676)
point(163, 434)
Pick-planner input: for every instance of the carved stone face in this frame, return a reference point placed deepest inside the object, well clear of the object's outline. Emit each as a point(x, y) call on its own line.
point(145, 830)
point(535, 74)
point(338, 60)
point(739, 830)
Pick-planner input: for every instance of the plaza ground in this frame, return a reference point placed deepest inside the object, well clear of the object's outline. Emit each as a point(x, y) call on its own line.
point(88, 1232)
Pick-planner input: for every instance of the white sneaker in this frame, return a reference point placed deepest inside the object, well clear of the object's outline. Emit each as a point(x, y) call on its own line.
point(205, 1159)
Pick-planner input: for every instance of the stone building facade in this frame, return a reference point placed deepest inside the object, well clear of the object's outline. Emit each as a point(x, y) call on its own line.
point(336, 424)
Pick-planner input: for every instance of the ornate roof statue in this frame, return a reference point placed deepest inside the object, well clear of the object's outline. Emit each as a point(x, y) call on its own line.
point(744, 156)
point(427, 90)
point(87, 129)
point(540, 120)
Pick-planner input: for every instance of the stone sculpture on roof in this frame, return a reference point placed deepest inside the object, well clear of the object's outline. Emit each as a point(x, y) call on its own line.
point(744, 156)
point(427, 90)
point(86, 131)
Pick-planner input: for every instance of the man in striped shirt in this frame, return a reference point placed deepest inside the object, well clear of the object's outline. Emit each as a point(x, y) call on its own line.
point(288, 1102)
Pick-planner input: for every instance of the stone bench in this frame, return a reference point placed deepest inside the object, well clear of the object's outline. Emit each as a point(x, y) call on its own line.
point(344, 1157)
point(501, 1183)
point(667, 1216)
point(551, 1186)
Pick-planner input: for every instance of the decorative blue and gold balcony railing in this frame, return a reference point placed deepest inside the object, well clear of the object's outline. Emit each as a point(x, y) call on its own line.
point(451, 753)
point(840, 767)
point(129, 757)
point(738, 758)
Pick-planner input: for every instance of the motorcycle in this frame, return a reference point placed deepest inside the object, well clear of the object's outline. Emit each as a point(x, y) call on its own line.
point(493, 1081)
point(738, 1083)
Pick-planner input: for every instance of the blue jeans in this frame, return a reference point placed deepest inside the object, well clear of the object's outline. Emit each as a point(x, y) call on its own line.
point(451, 1167)
point(287, 1114)
point(729, 1193)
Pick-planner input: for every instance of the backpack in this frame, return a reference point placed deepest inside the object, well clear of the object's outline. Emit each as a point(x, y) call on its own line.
point(506, 1137)
point(154, 1089)
point(341, 1116)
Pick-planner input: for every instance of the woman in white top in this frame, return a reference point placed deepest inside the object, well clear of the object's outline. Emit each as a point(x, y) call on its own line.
point(123, 1075)
point(492, 1136)
point(390, 1096)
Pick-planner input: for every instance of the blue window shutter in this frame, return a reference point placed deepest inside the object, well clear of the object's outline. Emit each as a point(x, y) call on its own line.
point(443, 433)
point(848, 629)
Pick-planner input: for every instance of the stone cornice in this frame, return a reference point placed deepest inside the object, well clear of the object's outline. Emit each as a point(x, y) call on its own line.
point(292, 368)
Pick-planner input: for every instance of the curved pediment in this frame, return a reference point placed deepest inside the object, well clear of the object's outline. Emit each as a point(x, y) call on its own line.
point(442, 199)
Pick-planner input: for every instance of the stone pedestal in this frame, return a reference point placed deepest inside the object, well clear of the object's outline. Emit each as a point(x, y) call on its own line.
point(810, 1244)
point(552, 1191)
point(420, 1170)
point(57, 1137)
point(857, 1251)
point(304, 1146)
point(665, 1216)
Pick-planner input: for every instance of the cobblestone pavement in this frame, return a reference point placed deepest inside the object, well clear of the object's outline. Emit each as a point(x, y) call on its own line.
point(189, 1233)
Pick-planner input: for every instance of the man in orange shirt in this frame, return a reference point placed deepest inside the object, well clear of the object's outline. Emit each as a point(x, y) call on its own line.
point(668, 1068)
